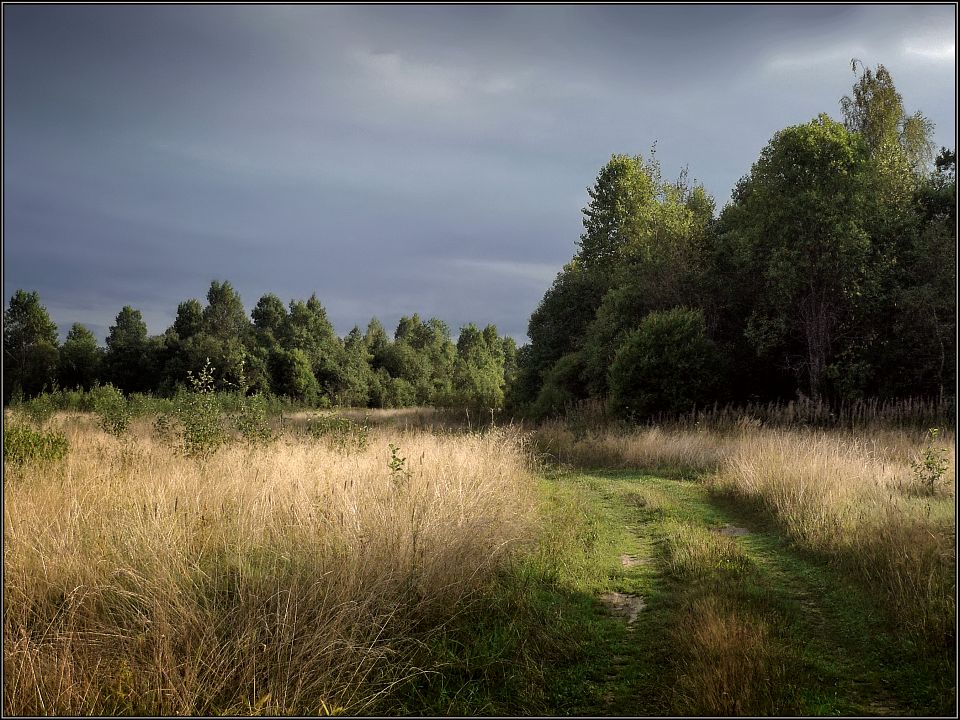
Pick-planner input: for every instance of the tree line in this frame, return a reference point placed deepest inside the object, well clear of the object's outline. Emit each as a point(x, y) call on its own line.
point(290, 350)
point(830, 275)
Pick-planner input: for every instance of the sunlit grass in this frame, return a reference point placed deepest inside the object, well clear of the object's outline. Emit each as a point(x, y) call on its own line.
point(294, 578)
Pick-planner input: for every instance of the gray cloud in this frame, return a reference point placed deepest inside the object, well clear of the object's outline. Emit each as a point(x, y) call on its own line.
point(392, 159)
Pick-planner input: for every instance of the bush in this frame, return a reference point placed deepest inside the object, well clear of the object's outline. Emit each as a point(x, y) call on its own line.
point(22, 444)
point(198, 410)
point(667, 365)
point(562, 387)
point(338, 431)
point(113, 410)
point(292, 375)
point(39, 409)
point(931, 465)
point(250, 419)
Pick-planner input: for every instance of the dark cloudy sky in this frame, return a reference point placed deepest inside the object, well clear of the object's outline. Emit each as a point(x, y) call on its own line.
point(392, 159)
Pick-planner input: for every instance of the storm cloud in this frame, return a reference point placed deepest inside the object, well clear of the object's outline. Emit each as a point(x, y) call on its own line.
point(392, 159)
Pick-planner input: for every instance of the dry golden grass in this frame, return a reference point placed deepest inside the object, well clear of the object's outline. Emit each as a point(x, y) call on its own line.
point(851, 495)
point(648, 448)
point(295, 578)
point(860, 501)
point(726, 663)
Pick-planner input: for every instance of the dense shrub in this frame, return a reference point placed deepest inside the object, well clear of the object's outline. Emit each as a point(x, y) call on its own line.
point(667, 364)
point(338, 431)
point(22, 444)
point(250, 420)
point(199, 414)
point(112, 409)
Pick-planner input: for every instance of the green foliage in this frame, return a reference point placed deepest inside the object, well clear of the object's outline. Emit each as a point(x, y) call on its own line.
point(899, 144)
point(478, 378)
point(81, 359)
point(199, 415)
point(338, 431)
point(357, 374)
point(563, 386)
point(251, 422)
point(623, 191)
point(292, 354)
point(292, 376)
point(558, 324)
point(801, 214)
point(22, 445)
point(128, 362)
point(270, 315)
point(189, 320)
point(112, 409)
point(224, 317)
point(931, 466)
point(400, 393)
point(668, 364)
point(309, 331)
point(30, 351)
point(39, 409)
point(398, 465)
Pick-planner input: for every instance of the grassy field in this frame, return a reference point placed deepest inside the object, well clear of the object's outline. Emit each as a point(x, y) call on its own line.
point(399, 567)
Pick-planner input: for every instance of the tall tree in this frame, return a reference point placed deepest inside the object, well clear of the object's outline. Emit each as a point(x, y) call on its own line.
point(899, 145)
point(376, 340)
point(189, 320)
point(127, 360)
point(802, 214)
point(920, 353)
point(308, 329)
point(224, 317)
point(269, 315)
point(356, 378)
point(81, 359)
point(623, 191)
point(478, 371)
point(29, 346)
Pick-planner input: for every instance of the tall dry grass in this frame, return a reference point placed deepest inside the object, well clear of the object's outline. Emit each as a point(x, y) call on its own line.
point(295, 578)
point(726, 663)
point(858, 499)
point(852, 496)
point(646, 448)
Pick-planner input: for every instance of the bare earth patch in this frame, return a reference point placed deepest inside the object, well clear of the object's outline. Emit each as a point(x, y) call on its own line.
point(731, 530)
point(631, 561)
point(624, 604)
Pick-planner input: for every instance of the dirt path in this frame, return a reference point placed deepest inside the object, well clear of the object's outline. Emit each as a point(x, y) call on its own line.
point(825, 650)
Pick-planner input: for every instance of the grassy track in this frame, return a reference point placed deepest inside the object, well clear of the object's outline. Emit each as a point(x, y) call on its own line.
point(731, 625)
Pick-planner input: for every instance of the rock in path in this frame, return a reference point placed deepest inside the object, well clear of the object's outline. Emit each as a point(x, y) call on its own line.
point(731, 530)
point(624, 604)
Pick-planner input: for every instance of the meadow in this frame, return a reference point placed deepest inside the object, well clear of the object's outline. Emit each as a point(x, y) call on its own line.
point(423, 562)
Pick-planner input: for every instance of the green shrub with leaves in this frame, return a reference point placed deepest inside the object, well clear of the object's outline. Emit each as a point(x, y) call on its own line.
point(250, 420)
point(22, 444)
point(39, 409)
point(930, 467)
point(338, 431)
point(112, 409)
point(199, 414)
point(164, 425)
point(668, 364)
point(398, 465)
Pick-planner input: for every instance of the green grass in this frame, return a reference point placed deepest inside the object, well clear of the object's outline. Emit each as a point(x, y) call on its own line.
point(812, 641)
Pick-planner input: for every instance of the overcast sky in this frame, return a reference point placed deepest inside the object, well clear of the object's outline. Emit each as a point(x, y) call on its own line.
point(392, 159)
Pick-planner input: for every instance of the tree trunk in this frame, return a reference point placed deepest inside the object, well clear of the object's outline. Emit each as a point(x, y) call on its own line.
point(816, 317)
